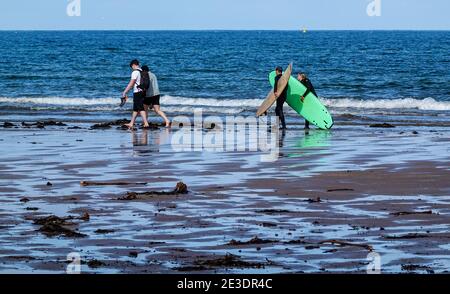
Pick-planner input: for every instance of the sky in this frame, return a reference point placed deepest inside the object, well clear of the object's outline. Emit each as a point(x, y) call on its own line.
point(225, 14)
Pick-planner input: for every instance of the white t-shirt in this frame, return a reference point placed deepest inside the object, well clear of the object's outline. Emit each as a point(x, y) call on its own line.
point(136, 75)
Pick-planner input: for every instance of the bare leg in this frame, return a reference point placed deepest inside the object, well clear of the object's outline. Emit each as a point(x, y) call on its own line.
point(144, 118)
point(159, 112)
point(133, 120)
point(146, 107)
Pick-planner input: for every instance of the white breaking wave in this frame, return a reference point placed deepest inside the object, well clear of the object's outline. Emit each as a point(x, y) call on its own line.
point(405, 103)
point(183, 104)
point(214, 102)
point(31, 101)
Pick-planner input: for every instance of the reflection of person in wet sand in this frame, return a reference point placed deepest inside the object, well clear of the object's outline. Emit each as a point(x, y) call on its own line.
point(152, 138)
point(140, 140)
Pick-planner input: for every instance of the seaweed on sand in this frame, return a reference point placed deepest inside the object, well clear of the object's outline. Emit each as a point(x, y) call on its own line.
point(180, 188)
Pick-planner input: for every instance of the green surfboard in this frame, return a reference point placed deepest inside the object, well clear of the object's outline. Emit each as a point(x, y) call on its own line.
point(312, 109)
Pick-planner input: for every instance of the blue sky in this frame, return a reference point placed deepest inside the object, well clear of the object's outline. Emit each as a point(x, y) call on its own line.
point(224, 14)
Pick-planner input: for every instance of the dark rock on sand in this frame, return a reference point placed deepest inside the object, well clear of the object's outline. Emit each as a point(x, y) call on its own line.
point(273, 211)
point(56, 226)
point(156, 243)
point(43, 124)
point(100, 126)
point(108, 125)
point(268, 225)
point(103, 231)
point(51, 230)
point(8, 124)
point(253, 241)
point(40, 125)
point(317, 200)
point(133, 254)
point(54, 123)
point(383, 125)
point(54, 220)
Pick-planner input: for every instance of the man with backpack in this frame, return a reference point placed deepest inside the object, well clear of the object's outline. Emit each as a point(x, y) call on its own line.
point(140, 84)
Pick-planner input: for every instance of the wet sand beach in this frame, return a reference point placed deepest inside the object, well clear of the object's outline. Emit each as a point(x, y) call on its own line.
point(328, 200)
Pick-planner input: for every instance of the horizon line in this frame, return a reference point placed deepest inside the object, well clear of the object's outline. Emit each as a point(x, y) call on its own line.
point(219, 29)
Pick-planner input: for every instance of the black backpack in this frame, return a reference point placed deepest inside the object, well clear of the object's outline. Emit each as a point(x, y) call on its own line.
point(145, 81)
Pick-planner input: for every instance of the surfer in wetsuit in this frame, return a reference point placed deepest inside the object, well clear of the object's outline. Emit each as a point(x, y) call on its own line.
point(281, 97)
point(309, 89)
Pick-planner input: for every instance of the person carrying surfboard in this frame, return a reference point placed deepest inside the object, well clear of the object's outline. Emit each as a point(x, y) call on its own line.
point(139, 90)
point(302, 78)
point(281, 97)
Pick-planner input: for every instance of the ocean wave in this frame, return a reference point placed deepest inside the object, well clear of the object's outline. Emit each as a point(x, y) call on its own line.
point(403, 103)
point(55, 101)
point(185, 104)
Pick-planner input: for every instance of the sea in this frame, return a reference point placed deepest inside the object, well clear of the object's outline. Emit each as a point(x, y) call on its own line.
point(400, 77)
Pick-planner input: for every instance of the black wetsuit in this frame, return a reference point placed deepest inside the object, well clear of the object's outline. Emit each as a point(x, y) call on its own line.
point(309, 89)
point(280, 101)
point(309, 86)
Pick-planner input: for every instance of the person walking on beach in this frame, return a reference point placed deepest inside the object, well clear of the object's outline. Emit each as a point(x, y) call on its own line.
point(309, 89)
point(139, 85)
point(281, 97)
point(153, 96)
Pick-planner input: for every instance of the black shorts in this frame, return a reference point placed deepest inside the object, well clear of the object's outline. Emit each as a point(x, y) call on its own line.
point(138, 101)
point(152, 100)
